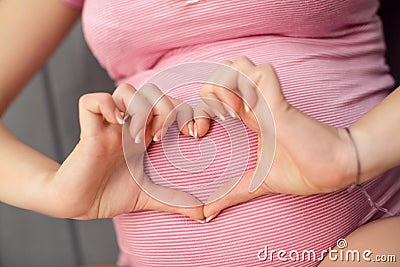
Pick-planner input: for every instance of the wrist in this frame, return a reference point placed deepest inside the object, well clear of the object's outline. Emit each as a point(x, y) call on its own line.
point(347, 159)
point(369, 161)
point(42, 194)
point(360, 167)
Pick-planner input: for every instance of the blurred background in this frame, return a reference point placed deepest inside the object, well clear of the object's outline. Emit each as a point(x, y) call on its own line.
point(45, 116)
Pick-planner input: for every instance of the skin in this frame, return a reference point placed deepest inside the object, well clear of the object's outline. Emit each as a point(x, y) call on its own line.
point(94, 181)
point(294, 170)
point(45, 186)
point(329, 146)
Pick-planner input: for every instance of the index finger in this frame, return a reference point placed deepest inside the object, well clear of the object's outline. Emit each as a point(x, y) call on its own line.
point(230, 194)
point(156, 197)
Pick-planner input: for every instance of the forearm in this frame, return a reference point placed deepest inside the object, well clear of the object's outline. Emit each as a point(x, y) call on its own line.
point(377, 136)
point(24, 175)
point(30, 31)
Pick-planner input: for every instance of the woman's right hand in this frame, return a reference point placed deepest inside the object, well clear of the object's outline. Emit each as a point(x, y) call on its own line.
point(94, 181)
point(307, 157)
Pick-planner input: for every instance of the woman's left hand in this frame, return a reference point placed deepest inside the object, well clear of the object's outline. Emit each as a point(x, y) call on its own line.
point(310, 157)
point(95, 180)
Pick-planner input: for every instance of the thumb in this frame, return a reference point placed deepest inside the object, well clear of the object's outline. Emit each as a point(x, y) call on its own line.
point(94, 109)
point(159, 198)
point(202, 120)
point(230, 194)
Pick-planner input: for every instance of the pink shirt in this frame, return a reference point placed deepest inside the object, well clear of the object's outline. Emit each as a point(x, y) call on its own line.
point(329, 55)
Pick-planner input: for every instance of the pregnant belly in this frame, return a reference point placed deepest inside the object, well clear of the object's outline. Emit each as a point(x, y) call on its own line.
point(243, 235)
point(199, 167)
point(313, 81)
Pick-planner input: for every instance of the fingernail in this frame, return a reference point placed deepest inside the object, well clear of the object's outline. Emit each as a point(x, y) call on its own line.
point(210, 218)
point(137, 139)
point(195, 132)
point(190, 126)
point(220, 116)
point(232, 114)
point(119, 116)
point(246, 108)
point(156, 139)
point(201, 221)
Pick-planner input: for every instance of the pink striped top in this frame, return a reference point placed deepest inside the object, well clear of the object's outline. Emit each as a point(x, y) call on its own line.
point(329, 57)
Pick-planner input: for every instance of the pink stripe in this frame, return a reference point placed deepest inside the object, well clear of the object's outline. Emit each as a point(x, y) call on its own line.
point(331, 66)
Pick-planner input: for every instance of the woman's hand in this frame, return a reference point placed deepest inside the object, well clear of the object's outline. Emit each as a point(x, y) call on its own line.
point(310, 157)
point(94, 181)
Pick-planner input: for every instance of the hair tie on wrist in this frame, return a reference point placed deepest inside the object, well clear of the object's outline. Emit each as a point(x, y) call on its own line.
point(358, 175)
point(353, 143)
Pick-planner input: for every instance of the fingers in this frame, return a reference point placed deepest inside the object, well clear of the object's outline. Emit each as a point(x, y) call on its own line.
point(246, 85)
point(163, 110)
point(140, 111)
point(269, 96)
point(223, 80)
point(155, 197)
point(267, 82)
point(202, 120)
point(231, 86)
point(94, 109)
point(127, 100)
point(229, 91)
point(123, 95)
point(230, 194)
point(150, 110)
point(221, 90)
point(184, 116)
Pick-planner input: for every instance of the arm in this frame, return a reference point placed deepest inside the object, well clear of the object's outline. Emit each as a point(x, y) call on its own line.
point(30, 32)
point(310, 157)
point(94, 181)
point(377, 135)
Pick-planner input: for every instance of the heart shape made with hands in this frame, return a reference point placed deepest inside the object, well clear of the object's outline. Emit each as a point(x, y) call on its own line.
point(210, 167)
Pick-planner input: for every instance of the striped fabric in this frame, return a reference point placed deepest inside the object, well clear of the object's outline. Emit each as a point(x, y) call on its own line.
point(329, 57)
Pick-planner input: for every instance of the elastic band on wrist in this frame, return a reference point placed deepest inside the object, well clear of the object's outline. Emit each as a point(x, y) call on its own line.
point(358, 176)
point(353, 143)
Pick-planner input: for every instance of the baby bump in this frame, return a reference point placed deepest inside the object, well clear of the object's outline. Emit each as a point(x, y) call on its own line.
point(248, 234)
point(243, 235)
point(201, 166)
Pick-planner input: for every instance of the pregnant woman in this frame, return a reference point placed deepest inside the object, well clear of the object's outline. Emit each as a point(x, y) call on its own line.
point(329, 56)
